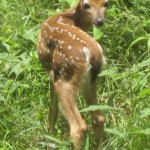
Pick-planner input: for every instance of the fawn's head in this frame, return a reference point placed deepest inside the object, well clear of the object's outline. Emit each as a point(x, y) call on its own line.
point(95, 10)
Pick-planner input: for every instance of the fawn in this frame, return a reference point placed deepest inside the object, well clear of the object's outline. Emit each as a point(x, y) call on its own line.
point(73, 59)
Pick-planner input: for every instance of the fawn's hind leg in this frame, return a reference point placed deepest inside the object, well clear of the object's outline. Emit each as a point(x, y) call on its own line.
point(67, 93)
point(97, 117)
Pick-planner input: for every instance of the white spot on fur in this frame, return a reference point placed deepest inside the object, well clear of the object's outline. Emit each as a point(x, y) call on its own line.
point(74, 37)
point(59, 81)
point(61, 42)
point(77, 58)
point(66, 65)
point(63, 69)
point(63, 55)
point(54, 52)
point(60, 72)
point(71, 57)
point(72, 61)
point(69, 47)
point(87, 56)
point(42, 45)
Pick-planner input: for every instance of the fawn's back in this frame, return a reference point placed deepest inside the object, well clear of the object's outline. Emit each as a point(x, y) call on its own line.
point(66, 50)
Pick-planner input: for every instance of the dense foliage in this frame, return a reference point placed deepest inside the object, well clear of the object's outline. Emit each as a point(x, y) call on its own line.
point(123, 89)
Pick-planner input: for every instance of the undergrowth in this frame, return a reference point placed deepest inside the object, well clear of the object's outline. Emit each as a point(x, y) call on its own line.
point(123, 86)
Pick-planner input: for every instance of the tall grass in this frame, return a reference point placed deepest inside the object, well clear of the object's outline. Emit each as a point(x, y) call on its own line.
point(123, 86)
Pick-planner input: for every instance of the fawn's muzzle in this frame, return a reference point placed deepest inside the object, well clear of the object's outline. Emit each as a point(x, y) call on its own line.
point(99, 22)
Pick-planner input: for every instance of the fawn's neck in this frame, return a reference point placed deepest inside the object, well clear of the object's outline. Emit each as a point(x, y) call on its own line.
point(78, 17)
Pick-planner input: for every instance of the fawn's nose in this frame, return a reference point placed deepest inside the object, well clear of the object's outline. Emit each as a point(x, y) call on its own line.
point(99, 22)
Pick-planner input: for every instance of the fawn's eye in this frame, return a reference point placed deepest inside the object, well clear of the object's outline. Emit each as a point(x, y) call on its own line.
point(106, 4)
point(86, 6)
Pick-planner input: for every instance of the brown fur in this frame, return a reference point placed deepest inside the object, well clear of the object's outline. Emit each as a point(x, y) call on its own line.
point(73, 59)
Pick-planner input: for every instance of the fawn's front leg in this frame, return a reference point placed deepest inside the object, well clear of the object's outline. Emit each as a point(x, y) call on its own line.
point(53, 109)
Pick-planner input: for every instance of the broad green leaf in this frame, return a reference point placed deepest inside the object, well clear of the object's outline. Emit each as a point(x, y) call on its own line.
point(136, 41)
point(70, 2)
point(116, 132)
point(97, 107)
point(144, 131)
point(109, 72)
point(145, 112)
point(97, 33)
point(16, 69)
point(144, 63)
point(3, 56)
point(65, 148)
point(4, 47)
point(148, 43)
point(51, 13)
point(31, 34)
point(48, 144)
point(145, 92)
point(56, 140)
point(87, 144)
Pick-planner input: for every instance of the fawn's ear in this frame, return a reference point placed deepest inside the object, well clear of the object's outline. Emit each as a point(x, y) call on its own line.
point(86, 4)
point(83, 4)
point(86, 1)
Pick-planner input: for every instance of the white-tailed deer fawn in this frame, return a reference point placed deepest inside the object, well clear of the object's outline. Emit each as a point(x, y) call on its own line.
point(73, 59)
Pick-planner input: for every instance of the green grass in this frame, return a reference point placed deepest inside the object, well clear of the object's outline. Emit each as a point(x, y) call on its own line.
point(123, 86)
